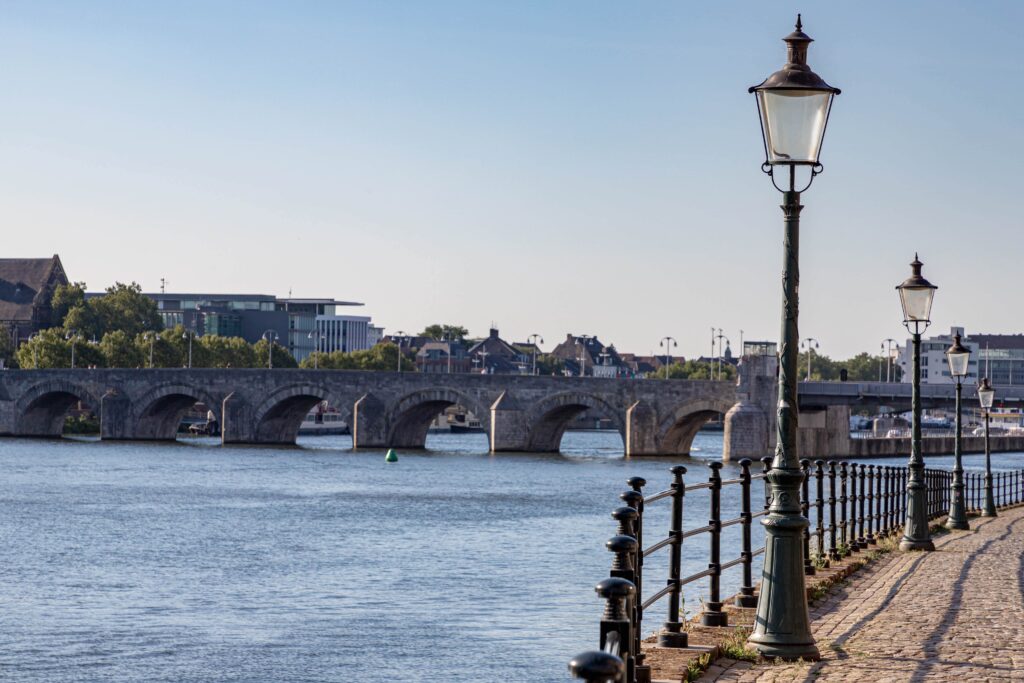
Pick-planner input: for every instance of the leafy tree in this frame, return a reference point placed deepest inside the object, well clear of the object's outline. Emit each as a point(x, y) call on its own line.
point(281, 356)
point(692, 369)
point(65, 298)
point(51, 349)
point(7, 348)
point(380, 357)
point(549, 365)
point(121, 351)
point(449, 332)
point(220, 352)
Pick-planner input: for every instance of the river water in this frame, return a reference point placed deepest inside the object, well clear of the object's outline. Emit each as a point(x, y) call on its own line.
point(193, 562)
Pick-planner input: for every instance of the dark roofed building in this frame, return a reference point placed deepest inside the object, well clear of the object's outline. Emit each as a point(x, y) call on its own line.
point(26, 292)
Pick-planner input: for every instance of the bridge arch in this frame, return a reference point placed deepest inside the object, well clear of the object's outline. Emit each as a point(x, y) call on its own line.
point(677, 430)
point(278, 418)
point(410, 416)
point(157, 413)
point(548, 419)
point(40, 411)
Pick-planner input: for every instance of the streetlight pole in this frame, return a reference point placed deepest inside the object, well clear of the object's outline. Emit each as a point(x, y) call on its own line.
point(665, 341)
point(985, 396)
point(711, 358)
point(533, 339)
point(720, 351)
point(188, 335)
point(271, 337)
point(916, 295)
point(72, 336)
point(887, 343)
point(958, 357)
point(152, 343)
point(400, 334)
point(315, 336)
point(812, 344)
point(794, 105)
point(584, 338)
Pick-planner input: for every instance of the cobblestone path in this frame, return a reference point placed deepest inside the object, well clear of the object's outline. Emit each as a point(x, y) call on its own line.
point(956, 614)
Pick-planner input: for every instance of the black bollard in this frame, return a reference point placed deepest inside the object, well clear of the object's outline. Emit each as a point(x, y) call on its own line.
point(641, 671)
point(862, 541)
point(870, 499)
point(616, 629)
point(844, 540)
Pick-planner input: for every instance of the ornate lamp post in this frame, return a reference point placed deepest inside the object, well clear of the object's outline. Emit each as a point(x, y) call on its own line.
point(957, 356)
point(985, 396)
point(190, 335)
point(811, 343)
point(916, 295)
point(794, 105)
point(534, 339)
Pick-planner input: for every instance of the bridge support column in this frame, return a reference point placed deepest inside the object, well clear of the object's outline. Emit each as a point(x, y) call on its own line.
point(237, 420)
point(509, 431)
point(369, 428)
point(115, 416)
point(746, 433)
point(641, 430)
point(7, 415)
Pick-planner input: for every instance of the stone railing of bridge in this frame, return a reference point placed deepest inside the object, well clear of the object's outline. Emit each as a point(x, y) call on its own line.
point(519, 413)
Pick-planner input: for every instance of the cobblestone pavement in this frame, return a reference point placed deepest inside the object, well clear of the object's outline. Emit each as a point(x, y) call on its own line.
point(950, 615)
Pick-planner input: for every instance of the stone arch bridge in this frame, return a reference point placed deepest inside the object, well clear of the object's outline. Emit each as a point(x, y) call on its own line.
point(519, 413)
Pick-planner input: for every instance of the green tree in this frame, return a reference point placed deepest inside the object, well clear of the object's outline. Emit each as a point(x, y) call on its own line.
point(45, 349)
point(380, 357)
point(282, 358)
point(549, 365)
point(694, 370)
point(222, 352)
point(123, 307)
point(121, 351)
point(449, 332)
point(65, 298)
point(7, 348)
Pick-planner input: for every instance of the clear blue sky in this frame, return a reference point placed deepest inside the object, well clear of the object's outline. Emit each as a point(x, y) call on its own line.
point(586, 167)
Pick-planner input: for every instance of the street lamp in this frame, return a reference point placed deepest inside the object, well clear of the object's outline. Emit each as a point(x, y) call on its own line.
point(584, 338)
point(35, 350)
point(811, 344)
point(72, 336)
point(315, 335)
point(189, 334)
point(533, 339)
point(958, 357)
point(887, 347)
point(271, 338)
point(985, 396)
point(794, 105)
point(668, 350)
point(151, 338)
point(916, 295)
point(400, 335)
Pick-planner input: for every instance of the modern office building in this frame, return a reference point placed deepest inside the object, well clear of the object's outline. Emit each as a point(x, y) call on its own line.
point(1000, 357)
point(307, 317)
point(345, 333)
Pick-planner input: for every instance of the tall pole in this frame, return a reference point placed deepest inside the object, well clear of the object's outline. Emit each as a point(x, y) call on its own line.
point(534, 338)
point(990, 505)
point(957, 518)
point(782, 627)
point(400, 335)
point(915, 532)
point(190, 335)
point(152, 343)
point(667, 342)
point(73, 340)
point(711, 358)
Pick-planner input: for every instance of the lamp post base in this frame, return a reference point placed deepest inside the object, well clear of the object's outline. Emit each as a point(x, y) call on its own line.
point(916, 544)
point(957, 524)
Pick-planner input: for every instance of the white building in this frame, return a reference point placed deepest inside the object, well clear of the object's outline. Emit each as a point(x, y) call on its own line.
point(1000, 357)
point(345, 333)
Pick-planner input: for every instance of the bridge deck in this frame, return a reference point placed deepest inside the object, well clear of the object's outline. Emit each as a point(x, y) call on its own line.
point(950, 615)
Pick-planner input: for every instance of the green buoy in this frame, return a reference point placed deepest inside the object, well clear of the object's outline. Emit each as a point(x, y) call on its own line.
point(391, 456)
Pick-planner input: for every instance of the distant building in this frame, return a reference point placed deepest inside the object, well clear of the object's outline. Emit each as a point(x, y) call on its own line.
point(495, 356)
point(440, 357)
point(26, 291)
point(345, 333)
point(1000, 357)
point(584, 355)
point(304, 316)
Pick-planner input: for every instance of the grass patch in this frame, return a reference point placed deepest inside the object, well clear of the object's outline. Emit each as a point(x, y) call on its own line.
point(736, 647)
point(697, 667)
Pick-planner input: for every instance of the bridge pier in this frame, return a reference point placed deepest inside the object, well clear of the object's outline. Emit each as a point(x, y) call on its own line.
point(509, 429)
point(115, 413)
point(237, 420)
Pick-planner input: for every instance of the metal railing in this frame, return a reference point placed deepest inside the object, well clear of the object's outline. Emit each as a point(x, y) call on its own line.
point(854, 506)
point(1007, 489)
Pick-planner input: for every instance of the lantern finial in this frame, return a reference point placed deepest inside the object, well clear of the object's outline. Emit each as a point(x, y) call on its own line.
point(799, 24)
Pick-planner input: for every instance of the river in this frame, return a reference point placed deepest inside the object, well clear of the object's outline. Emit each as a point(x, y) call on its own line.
point(192, 562)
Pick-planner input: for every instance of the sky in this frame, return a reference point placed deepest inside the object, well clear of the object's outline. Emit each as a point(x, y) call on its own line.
point(580, 167)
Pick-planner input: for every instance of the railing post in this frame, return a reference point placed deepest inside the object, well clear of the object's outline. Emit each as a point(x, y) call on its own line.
point(673, 634)
point(746, 597)
point(879, 499)
point(843, 505)
point(616, 630)
point(870, 499)
point(641, 670)
point(819, 504)
point(883, 472)
point(713, 614)
point(597, 667)
point(862, 542)
point(766, 466)
point(805, 510)
point(833, 547)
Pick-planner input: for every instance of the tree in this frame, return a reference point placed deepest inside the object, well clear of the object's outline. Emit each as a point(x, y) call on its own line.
point(281, 357)
point(65, 298)
point(121, 351)
point(6, 349)
point(549, 365)
point(46, 349)
point(692, 369)
point(449, 332)
point(380, 357)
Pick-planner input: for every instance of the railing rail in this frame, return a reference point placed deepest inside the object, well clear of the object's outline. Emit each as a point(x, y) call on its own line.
point(849, 507)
